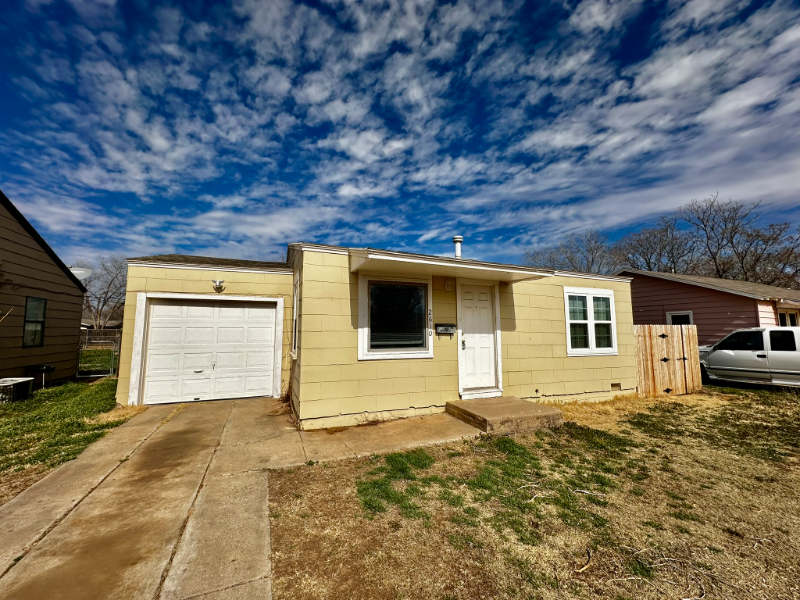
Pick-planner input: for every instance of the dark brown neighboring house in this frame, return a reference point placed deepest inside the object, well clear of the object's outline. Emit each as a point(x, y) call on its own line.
point(44, 298)
point(716, 306)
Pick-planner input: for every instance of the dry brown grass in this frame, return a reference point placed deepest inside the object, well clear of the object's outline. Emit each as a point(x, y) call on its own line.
point(120, 413)
point(607, 415)
point(705, 522)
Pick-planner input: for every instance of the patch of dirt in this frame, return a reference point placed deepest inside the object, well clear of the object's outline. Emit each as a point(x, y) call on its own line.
point(667, 518)
point(14, 482)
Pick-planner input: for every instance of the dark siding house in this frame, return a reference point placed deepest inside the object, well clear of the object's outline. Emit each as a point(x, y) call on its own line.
point(40, 298)
point(715, 306)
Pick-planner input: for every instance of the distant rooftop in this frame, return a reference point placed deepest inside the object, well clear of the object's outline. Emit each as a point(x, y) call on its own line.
point(758, 291)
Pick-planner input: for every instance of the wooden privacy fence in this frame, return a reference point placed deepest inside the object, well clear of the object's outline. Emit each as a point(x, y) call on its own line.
point(668, 360)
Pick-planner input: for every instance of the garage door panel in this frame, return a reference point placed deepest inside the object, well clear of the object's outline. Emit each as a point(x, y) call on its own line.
point(198, 360)
point(165, 336)
point(163, 362)
point(254, 384)
point(228, 386)
point(232, 344)
point(230, 360)
point(196, 336)
point(237, 313)
point(260, 313)
point(200, 311)
point(197, 386)
point(259, 360)
point(259, 335)
point(166, 311)
point(161, 389)
point(230, 335)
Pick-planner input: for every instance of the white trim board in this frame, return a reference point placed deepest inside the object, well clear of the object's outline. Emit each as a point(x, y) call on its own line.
point(481, 392)
point(140, 335)
point(306, 247)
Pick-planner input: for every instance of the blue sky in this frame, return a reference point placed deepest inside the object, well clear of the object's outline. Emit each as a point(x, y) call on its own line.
point(231, 129)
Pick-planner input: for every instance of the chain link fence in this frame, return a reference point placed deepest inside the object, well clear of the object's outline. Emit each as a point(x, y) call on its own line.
point(98, 353)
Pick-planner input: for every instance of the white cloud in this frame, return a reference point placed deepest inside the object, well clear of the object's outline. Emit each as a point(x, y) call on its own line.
point(307, 126)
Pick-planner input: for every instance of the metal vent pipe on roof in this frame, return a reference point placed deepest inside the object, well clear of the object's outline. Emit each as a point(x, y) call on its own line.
point(457, 239)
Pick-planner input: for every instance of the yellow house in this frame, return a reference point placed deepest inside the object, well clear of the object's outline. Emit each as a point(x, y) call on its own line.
point(357, 334)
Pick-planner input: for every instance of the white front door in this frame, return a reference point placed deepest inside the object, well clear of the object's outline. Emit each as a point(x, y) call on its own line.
point(478, 338)
point(208, 350)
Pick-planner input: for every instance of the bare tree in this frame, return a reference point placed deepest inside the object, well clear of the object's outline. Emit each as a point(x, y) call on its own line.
point(732, 245)
point(769, 255)
point(718, 225)
point(664, 248)
point(586, 252)
point(105, 295)
point(705, 237)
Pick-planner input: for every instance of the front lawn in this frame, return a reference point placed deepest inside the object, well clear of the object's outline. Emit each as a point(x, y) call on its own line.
point(51, 427)
point(695, 497)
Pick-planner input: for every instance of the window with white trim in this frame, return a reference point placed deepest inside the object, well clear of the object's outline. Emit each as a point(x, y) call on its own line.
point(395, 318)
point(680, 317)
point(591, 321)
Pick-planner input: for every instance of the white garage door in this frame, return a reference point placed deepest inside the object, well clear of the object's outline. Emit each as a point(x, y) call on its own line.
point(206, 350)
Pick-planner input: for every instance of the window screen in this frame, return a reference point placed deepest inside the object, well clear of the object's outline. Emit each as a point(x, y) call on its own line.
point(743, 340)
point(782, 341)
point(33, 333)
point(397, 316)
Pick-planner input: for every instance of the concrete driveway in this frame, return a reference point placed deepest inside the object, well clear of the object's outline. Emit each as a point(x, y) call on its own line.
point(174, 504)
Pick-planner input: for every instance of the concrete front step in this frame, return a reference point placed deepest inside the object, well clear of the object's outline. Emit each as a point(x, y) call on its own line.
point(505, 414)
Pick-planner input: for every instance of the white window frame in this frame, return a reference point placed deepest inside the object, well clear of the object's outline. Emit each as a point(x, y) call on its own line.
point(364, 353)
point(591, 293)
point(680, 312)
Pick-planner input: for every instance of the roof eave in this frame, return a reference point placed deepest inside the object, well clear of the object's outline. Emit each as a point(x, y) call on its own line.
point(365, 259)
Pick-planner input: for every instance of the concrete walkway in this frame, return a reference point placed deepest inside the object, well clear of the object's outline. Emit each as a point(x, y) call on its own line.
point(174, 504)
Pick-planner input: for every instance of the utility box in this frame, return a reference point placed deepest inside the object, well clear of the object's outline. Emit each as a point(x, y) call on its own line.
point(15, 388)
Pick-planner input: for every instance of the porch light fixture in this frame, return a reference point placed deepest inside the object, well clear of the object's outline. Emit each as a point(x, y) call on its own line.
point(218, 284)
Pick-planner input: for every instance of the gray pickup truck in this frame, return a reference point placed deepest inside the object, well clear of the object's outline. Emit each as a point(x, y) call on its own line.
point(759, 355)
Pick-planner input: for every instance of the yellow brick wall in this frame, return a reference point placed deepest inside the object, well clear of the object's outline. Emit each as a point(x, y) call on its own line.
point(198, 281)
point(333, 381)
point(534, 335)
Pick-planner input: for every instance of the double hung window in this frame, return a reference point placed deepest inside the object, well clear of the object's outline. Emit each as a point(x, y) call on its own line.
point(33, 332)
point(591, 322)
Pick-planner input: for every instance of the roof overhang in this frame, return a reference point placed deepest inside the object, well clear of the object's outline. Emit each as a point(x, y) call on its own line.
point(132, 262)
point(399, 263)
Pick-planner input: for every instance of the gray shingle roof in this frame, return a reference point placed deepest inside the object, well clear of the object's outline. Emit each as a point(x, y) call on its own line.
point(740, 288)
point(206, 261)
